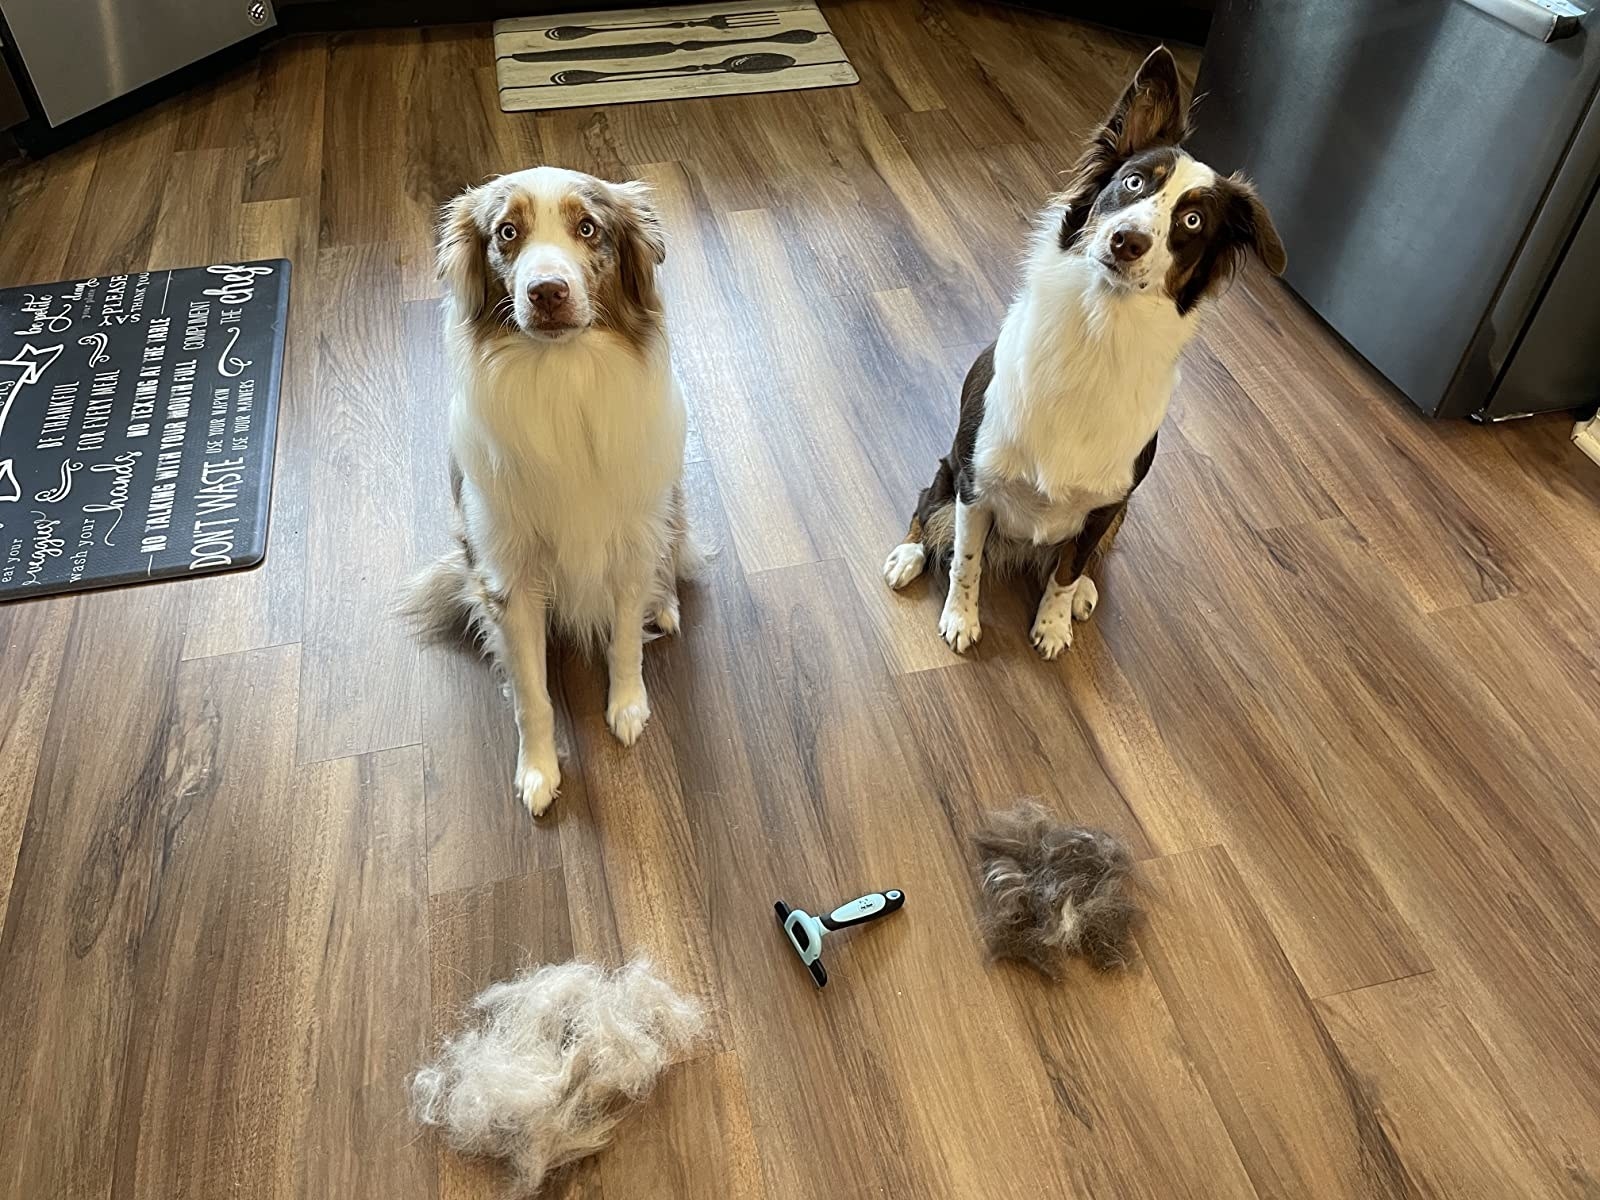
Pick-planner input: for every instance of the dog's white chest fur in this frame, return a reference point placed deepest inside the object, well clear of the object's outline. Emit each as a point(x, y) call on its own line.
point(569, 454)
point(1083, 373)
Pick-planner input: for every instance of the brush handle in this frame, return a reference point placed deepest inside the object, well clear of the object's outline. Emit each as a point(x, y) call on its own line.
point(864, 908)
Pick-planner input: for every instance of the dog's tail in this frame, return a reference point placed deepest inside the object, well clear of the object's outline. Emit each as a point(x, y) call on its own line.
point(444, 601)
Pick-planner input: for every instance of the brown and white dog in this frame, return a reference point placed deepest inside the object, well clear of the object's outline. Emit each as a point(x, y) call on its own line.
point(1059, 415)
point(566, 442)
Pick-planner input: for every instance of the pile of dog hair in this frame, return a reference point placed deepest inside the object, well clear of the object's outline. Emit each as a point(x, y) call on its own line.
point(551, 1061)
point(1047, 890)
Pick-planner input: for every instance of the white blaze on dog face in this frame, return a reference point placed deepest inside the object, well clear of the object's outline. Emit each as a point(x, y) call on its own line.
point(555, 251)
point(1131, 224)
point(1159, 222)
point(543, 245)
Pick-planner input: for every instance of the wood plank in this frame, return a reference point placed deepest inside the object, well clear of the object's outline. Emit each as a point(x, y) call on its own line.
point(200, 209)
point(642, 888)
point(1130, 1110)
point(216, 111)
point(1438, 1096)
point(693, 1138)
point(109, 794)
point(362, 912)
point(210, 1098)
point(44, 197)
point(366, 198)
point(1289, 1100)
point(987, 750)
point(450, 143)
point(851, 512)
point(117, 226)
point(725, 395)
point(359, 679)
point(32, 636)
point(1263, 476)
point(284, 133)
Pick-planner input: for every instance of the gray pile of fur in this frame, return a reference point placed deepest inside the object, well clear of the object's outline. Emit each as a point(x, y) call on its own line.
point(551, 1061)
point(1048, 890)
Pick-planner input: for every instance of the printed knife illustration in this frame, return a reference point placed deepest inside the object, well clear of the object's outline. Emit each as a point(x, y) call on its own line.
point(793, 37)
point(738, 64)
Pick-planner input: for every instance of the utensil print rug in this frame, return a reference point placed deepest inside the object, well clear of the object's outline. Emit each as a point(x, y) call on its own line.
point(639, 54)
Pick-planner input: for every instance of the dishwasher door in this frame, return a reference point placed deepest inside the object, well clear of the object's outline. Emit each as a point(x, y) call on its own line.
point(81, 53)
point(1418, 159)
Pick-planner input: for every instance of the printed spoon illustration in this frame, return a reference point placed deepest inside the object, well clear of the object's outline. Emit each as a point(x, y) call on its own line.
point(793, 37)
point(739, 64)
point(724, 21)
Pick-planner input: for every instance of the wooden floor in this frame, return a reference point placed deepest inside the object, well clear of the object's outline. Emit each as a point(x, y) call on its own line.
point(1341, 695)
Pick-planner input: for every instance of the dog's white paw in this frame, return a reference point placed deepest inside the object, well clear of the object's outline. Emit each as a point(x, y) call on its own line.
point(627, 713)
point(905, 563)
point(958, 625)
point(1084, 597)
point(538, 782)
point(1052, 629)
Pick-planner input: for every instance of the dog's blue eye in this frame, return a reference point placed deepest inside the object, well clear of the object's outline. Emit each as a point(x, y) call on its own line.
point(507, 232)
point(586, 228)
point(1133, 183)
point(1192, 220)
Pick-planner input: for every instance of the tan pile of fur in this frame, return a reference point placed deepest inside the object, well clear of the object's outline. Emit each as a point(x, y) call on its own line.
point(1047, 889)
point(550, 1062)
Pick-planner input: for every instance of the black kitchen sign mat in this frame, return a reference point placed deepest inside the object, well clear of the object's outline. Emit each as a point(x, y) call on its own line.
point(137, 420)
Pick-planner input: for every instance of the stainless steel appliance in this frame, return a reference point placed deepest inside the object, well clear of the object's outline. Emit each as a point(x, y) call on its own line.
point(1432, 166)
point(79, 54)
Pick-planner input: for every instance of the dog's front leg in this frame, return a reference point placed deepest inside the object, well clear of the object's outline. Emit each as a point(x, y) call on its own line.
point(1071, 595)
point(628, 708)
point(523, 627)
point(959, 621)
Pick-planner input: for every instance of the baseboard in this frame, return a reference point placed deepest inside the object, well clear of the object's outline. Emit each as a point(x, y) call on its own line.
point(1587, 437)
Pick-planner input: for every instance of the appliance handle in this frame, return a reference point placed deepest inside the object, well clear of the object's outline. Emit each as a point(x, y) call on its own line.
point(1547, 20)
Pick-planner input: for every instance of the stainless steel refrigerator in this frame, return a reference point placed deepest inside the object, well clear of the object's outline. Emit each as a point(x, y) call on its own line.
point(1432, 166)
point(76, 55)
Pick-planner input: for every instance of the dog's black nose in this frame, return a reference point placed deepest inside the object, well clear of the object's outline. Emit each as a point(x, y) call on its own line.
point(1128, 245)
point(548, 292)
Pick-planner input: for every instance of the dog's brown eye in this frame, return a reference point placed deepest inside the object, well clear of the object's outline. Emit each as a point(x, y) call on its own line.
point(507, 232)
point(586, 228)
point(1133, 183)
point(1192, 221)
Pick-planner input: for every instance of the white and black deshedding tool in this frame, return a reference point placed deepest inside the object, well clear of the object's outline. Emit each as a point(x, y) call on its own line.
point(1048, 890)
point(551, 1060)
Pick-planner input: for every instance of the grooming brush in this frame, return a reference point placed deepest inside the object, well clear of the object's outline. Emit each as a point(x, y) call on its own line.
point(805, 931)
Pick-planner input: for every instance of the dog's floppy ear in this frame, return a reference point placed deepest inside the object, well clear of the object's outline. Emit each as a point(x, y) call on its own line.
point(1150, 113)
point(1251, 224)
point(461, 254)
point(640, 242)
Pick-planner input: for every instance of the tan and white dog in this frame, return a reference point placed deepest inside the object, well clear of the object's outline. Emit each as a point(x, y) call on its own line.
point(566, 442)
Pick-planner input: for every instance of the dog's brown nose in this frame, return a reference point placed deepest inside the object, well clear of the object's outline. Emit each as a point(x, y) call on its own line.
point(549, 292)
point(1128, 245)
